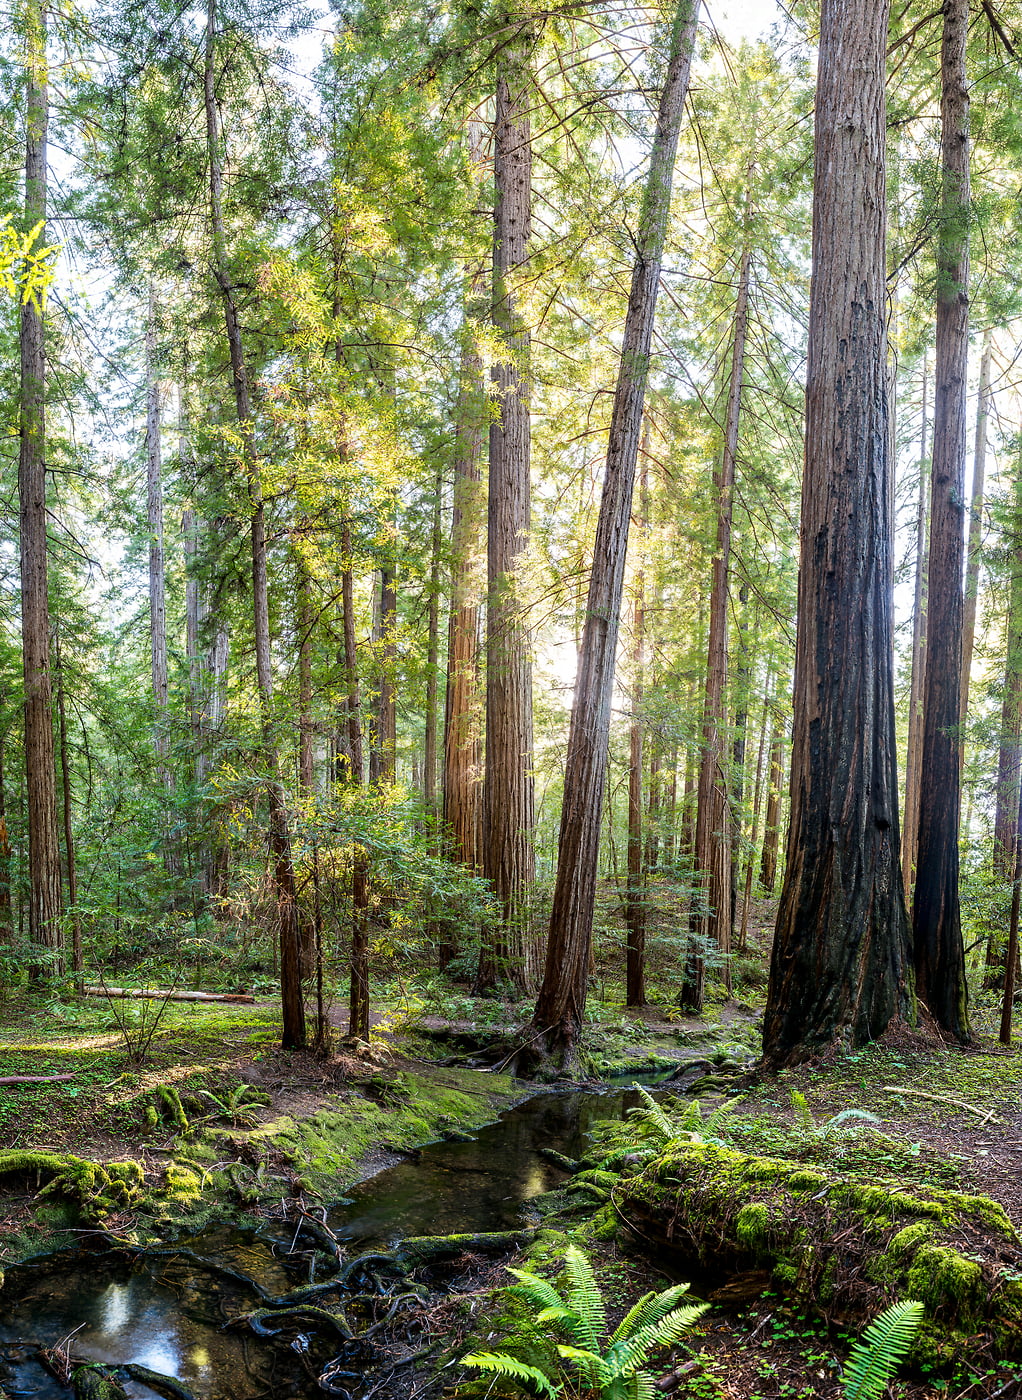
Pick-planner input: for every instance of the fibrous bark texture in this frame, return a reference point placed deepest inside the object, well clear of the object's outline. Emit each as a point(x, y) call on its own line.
point(508, 792)
point(913, 757)
point(562, 997)
point(45, 900)
point(840, 969)
point(937, 926)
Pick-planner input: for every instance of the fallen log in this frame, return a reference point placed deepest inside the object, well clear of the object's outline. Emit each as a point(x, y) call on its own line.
point(167, 1386)
point(430, 1249)
point(168, 994)
point(34, 1078)
point(843, 1246)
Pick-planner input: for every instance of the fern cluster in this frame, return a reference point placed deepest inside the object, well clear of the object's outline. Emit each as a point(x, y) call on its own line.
point(611, 1368)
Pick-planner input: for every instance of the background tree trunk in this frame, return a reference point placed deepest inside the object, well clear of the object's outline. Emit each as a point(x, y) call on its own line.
point(509, 860)
point(562, 997)
point(975, 531)
point(913, 758)
point(635, 894)
point(45, 902)
point(840, 968)
point(293, 1034)
point(772, 819)
point(711, 919)
point(937, 928)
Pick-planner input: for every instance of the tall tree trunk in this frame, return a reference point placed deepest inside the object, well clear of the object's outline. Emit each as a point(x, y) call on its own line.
point(6, 911)
point(840, 969)
point(914, 754)
point(194, 620)
point(975, 530)
point(69, 843)
point(710, 921)
point(157, 567)
point(743, 680)
point(1009, 747)
point(562, 997)
point(509, 859)
point(937, 927)
point(386, 714)
point(743, 936)
point(772, 820)
point(432, 657)
point(461, 721)
point(635, 894)
point(354, 705)
point(305, 620)
point(293, 1010)
point(45, 894)
point(358, 985)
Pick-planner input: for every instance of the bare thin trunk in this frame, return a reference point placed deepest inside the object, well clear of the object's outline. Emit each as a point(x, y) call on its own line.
point(386, 711)
point(937, 927)
point(157, 567)
point(305, 619)
point(432, 656)
point(293, 1010)
point(6, 911)
point(562, 998)
point(757, 796)
point(772, 821)
point(69, 843)
point(354, 705)
point(635, 895)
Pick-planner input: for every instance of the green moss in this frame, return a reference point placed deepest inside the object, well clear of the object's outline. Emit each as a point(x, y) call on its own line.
point(751, 1225)
point(945, 1280)
point(182, 1185)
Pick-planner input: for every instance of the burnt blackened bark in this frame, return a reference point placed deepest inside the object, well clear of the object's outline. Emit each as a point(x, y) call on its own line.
point(937, 925)
point(840, 970)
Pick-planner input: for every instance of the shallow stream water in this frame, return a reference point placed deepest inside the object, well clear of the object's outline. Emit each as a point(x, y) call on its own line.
point(166, 1314)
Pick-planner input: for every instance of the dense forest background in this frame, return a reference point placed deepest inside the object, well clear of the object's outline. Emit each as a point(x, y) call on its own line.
point(301, 470)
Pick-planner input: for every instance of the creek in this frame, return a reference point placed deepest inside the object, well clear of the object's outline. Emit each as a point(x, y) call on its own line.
point(162, 1311)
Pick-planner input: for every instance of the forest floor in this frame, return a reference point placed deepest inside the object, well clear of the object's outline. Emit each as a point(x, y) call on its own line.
point(945, 1118)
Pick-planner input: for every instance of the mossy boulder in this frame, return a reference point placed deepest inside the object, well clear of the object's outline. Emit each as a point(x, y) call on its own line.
point(840, 1244)
point(96, 1190)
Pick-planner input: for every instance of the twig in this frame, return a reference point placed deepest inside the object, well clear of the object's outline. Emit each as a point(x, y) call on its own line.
point(988, 1117)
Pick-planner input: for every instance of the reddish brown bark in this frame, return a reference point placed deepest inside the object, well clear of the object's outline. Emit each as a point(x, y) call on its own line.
point(913, 759)
point(840, 965)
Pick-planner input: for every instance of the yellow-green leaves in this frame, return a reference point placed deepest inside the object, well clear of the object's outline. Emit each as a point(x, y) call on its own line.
point(25, 270)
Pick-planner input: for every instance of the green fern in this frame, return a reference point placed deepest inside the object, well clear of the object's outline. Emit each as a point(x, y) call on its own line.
point(650, 1113)
point(804, 1114)
point(613, 1369)
point(873, 1360)
point(503, 1365)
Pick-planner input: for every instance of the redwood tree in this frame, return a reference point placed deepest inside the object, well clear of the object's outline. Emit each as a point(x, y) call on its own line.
point(562, 997)
point(937, 924)
point(840, 969)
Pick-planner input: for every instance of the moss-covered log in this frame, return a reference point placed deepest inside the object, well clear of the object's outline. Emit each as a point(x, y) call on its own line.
point(843, 1246)
point(167, 1386)
point(96, 1383)
point(95, 1188)
point(431, 1249)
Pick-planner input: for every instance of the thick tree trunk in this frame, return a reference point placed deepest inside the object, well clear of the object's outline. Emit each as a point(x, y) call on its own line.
point(6, 911)
point(358, 986)
point(914, 754)
point(710, 922)
point(562, 998)
point(509, 859)
point(292, 1008)
point(194, 621)
point(739, 747)
point(45, 896)
point(975, 530)
point(937, 928)
point(840, 970)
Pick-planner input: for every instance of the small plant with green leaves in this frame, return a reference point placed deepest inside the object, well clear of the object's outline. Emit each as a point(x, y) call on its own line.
point(807, 1127)
point(885, 1342)
point(612, 1368)
point(692, 1125)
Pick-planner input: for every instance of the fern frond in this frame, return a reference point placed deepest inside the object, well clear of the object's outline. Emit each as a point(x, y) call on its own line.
point(693, 1119)
point(803, 1112)
point(584, 1297)
point(504, 1365)
point(642, 1387)
point(847, 1115)
point(651, 1113)
point(648, 1310)
point(558, 1313)
point(872, 1361)
point(596, 1370)
point(634, 1352)
point(538, 1291)
point(721, 1111)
